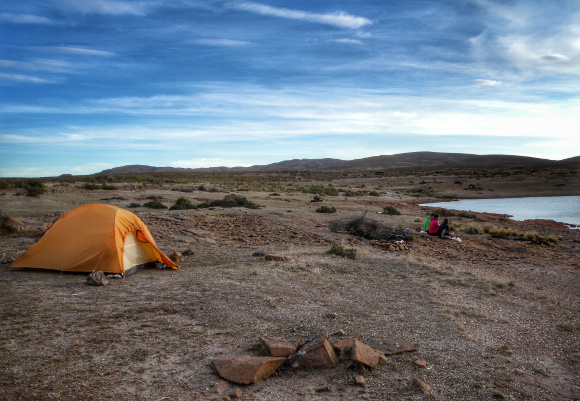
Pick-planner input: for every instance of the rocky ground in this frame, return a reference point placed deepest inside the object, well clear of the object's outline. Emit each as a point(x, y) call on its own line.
point(493, 318)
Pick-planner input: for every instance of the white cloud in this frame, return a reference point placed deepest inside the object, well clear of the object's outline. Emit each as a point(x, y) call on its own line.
point(222, 42)
point(351, 41)
point(556, 58)
point(110, 7)
point(24, 78)
point(26, 19)
point(486, 82)
point(529, 39)
point(83, 51)
point(338, 19)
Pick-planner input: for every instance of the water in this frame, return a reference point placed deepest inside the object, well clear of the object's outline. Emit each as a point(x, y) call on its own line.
point(564, 209)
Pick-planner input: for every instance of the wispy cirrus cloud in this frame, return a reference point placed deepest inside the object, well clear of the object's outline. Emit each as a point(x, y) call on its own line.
point(24, 78)
point(529, 39)
point(337, 19)
point(350, 41)
point(222, 42)
point(107, 7)
point(26, 19)
point(83, 51)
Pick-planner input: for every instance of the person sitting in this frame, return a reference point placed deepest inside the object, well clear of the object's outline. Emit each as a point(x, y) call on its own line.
point(426, 223)
point(443, 230)
point(433, 225)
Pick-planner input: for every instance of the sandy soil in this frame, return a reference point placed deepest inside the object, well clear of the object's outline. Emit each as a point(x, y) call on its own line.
point(494, 318)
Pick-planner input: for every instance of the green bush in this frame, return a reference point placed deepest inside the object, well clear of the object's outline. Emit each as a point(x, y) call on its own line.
point(5, 226)
point(33, 188)
point(326, 209)
point(342, 251)
point(107, 187)
point(182, 204)
point(89, 186)
point(133, 204)
point(232, 200)
point(155, 205)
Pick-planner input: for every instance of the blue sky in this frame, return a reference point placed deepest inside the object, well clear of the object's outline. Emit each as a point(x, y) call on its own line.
point(94, 84)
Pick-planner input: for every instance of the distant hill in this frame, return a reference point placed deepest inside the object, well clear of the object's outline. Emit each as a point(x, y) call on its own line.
point(398, 161)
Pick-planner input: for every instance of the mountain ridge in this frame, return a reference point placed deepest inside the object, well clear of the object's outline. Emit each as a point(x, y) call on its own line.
point(396, 161)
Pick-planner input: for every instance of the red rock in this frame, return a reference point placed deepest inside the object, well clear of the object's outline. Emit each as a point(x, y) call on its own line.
point(319, 354)
point(236, 393)
point(360, 380)
point(277, 258)
point(424, 387)
point(176, 257)
point(366, 355)
point(222, 388)
point(421, 363)
point(278, 347)
point(247, 369)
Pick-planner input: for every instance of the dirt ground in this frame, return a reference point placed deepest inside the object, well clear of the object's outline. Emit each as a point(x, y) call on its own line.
point(494, 318)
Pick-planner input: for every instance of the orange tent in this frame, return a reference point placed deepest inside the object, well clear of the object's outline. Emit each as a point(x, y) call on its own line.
point(92, 237)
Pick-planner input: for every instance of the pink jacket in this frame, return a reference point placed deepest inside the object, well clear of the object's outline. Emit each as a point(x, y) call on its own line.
point(433, 226)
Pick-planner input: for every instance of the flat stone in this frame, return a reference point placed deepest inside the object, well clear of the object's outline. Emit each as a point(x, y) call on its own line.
point(278, 347)
point(247, 369)
point(277, 258)
point(199, 232)
point(391, 346)
point(164, 217)
point(421, 363)
point(424, 387)
point(182, 238)
point(206, 241)
point(366, 355)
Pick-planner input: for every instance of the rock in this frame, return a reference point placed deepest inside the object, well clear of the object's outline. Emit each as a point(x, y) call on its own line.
point(199, 232)
point(236, 393)
point(222, 388)
point(360, 380)
point(424, 387)
point(259, 253)
point(366, 355)
point(8, 258)
point(421, 363)
point(206, 241)
point(323, 389)
point(164, 217)
point(97, 278)
point(247, 369)
point(182, 238)
point(187, 252)
point(316, 353)
point(344, 346)
point(339, 333)
point(176, 257)
point(392, 347)
point(278, 347)
point(277, 258)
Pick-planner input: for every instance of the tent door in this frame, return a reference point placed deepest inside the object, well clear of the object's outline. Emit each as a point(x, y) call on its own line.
point(136, 252)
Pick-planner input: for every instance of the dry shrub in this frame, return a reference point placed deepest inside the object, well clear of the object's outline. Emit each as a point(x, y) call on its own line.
point(368, 228)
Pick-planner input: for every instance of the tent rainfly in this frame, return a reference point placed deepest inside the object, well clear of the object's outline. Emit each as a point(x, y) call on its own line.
point(93, 237)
